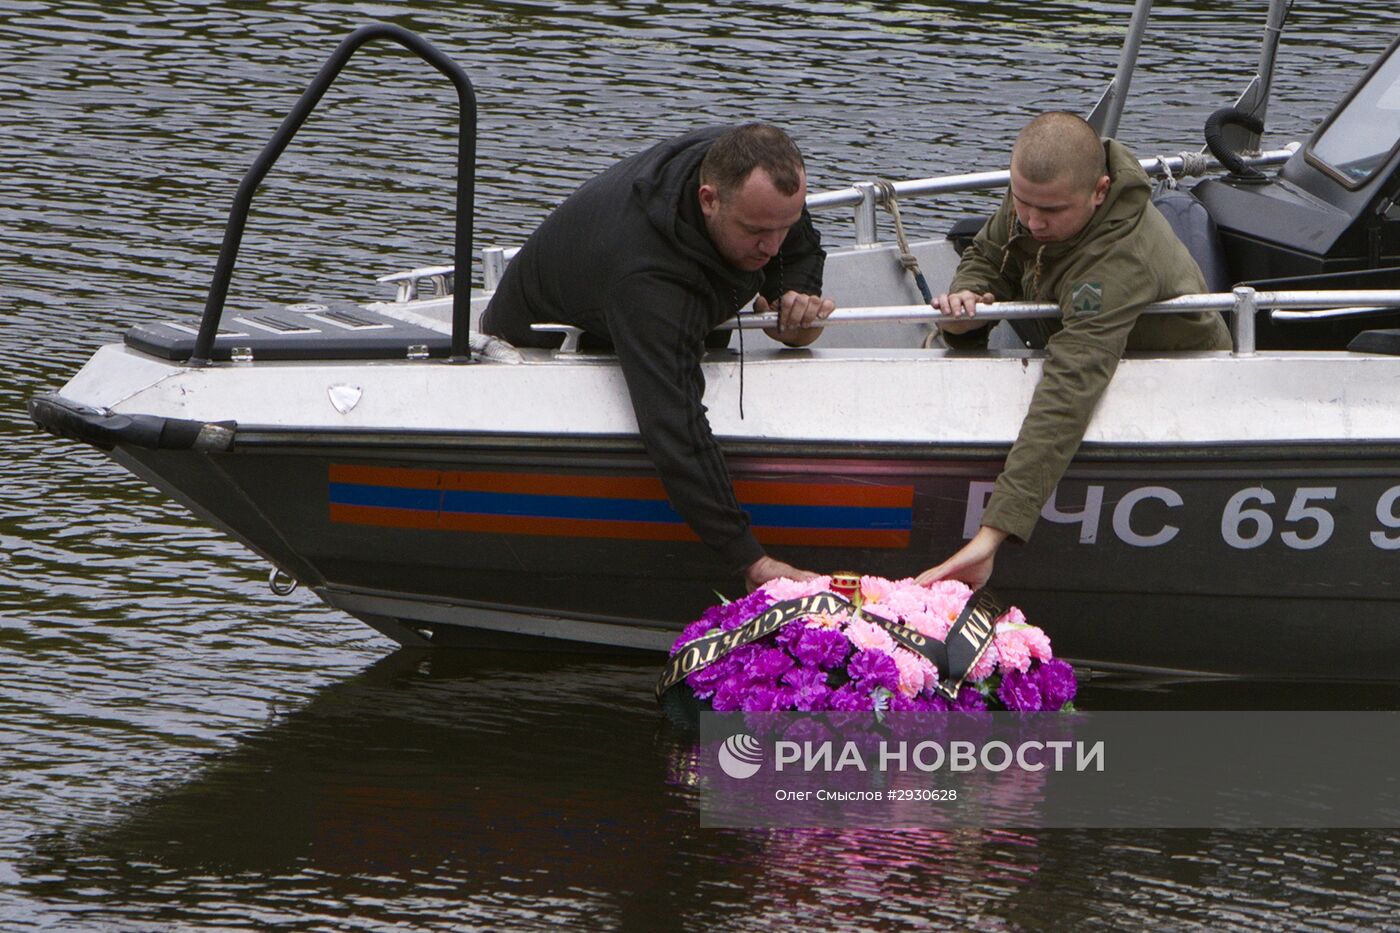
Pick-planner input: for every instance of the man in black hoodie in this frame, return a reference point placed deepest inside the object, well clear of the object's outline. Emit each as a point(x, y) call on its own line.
point(650, 256)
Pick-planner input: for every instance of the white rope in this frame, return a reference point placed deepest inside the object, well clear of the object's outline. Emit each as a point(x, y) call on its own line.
point(1194, 163)
point(886, 198)
point(1166, 172)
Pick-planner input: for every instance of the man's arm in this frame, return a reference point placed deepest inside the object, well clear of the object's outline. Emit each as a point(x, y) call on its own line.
point(972, 564)
point(984, 275)
point(792, 286)
point(1081, 361)
point(983, 266)
point(658, 331)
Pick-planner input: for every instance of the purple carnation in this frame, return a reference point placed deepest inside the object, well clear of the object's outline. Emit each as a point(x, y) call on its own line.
point(1057, 684)
point(805, 678)
point(1019, 692)
point(743, 654)
point(789, 634)
point(939, 703)
point(809, 688)
point(822, 647)
point(727, 697)
point(969, 701)
point(723, 617)
point(849, 699)
point(760, 698)
point(767, 665)
point(874, 669)
point(918, 703)
point(732, 615)
point(714, 616)
point(704, 681)
point(691, 632)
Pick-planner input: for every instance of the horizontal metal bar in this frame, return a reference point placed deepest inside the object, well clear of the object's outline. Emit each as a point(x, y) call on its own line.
point(1328, 314)
point(423, 273)
point(978, 181)
point(855, 195)
point(1019, 310)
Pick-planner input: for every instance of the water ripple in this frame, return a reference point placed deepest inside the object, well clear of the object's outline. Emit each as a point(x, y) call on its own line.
point(183, 749)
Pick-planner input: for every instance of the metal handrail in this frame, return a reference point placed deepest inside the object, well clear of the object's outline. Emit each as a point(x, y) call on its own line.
point(1241, 303)
point(862, 196)
point(466, 177)
point(975, 181)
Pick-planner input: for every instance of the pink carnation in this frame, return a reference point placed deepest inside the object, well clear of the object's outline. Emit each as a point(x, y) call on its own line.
point(867, 636)
point(832, 620)
point(985, 665)
point(875, 589)
point(915, 672)
point(883, 612)
point(782, 589)
point(907, 598)
point(1013, 616)
point(1012, 649)
point(1037, 642)
point(949, 596)
point(929, 624)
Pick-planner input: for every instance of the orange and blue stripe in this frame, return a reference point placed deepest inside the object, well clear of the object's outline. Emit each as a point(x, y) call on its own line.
point(590, 506)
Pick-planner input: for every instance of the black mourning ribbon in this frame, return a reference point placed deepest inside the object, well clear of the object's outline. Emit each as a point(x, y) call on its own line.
point(967, 641)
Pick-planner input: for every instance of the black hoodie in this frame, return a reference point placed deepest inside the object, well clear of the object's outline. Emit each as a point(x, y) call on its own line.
point(627, 259)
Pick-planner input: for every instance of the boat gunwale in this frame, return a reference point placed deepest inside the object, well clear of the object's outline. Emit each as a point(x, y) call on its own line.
point(308, 439)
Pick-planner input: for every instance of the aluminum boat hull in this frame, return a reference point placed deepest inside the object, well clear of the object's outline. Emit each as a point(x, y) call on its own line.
point(1226, 515)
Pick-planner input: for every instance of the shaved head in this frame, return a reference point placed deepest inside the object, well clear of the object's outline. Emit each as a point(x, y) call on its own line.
point(1059, 145)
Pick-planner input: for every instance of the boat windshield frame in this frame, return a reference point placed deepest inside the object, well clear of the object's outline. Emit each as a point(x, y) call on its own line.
point(1388, 59)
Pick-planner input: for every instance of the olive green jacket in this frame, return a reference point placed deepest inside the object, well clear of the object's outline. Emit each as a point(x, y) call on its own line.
point(1126, 257)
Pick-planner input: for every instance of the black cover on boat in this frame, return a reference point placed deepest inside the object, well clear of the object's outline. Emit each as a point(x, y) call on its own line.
point(106, 430)
point(1192, 224)
point(301, 332)
point(963, 230)
point(1376, 341)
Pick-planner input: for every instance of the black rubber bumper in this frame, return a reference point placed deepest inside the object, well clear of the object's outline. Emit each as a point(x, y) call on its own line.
point(1376, 341)
point(106, 430)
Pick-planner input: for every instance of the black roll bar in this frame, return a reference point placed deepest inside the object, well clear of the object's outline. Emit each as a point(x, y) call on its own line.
point(466, 183)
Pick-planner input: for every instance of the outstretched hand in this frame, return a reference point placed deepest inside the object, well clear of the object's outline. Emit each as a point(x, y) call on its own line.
point(766, 568)
point(972, 564)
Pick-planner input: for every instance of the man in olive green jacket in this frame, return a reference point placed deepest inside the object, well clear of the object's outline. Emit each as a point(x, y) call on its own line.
point(1076, 227)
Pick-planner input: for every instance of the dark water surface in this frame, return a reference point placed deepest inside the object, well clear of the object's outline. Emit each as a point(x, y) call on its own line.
point(182, 750)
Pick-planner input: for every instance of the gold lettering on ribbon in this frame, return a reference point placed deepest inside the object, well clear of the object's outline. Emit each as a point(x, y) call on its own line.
point(978, 627)
point(704, 651)
point(715, 646)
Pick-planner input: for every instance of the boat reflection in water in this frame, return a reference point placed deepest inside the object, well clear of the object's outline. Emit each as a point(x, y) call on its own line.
point(524, 790)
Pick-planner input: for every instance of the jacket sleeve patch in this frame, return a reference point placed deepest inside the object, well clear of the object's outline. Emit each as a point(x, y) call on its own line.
point(1086, 299)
